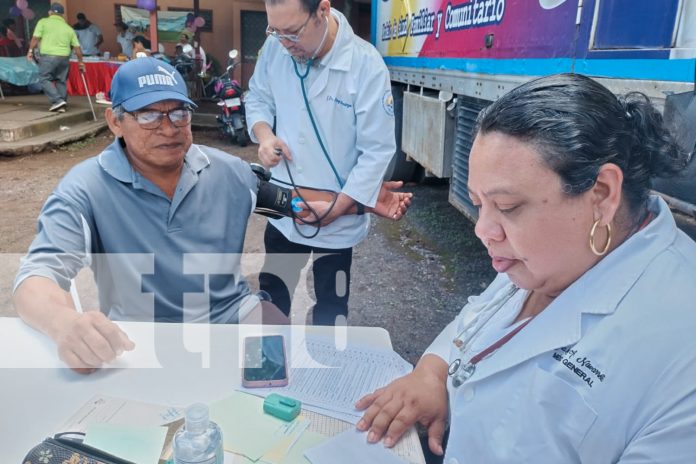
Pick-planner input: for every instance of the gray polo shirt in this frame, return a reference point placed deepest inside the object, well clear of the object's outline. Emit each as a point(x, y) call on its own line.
point(152, 258)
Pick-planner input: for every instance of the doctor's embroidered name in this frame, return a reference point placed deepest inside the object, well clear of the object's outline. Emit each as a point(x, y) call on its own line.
point(579, 365)
point(339, 102)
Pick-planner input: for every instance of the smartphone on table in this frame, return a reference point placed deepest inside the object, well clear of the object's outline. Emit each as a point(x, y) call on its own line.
point(265, 363)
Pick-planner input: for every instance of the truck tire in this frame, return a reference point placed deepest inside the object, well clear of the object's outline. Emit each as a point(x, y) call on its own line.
point(400, 168)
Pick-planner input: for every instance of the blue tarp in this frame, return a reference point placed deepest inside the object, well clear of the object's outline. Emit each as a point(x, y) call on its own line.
point(18, 71)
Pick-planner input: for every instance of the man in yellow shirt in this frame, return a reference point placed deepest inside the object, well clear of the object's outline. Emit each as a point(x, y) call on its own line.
point(57, 39)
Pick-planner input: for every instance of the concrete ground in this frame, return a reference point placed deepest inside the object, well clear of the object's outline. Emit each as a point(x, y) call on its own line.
point(26, 125)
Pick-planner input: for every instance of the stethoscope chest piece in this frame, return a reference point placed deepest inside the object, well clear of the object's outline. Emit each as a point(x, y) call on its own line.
point(460, 373)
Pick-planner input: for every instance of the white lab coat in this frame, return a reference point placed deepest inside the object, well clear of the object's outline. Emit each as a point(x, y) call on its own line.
point(605, 374)
point(350, 98)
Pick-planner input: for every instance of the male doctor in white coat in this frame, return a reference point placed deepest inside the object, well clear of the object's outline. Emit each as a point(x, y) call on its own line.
point(327, 92)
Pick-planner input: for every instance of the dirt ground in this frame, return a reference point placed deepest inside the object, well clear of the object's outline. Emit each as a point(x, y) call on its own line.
point(409, 277)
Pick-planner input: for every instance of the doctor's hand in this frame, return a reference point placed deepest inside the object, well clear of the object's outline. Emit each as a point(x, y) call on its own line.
point(326, 210)
point(88, 340)
point(420, 396)
point(390, 204)
point(271, 150)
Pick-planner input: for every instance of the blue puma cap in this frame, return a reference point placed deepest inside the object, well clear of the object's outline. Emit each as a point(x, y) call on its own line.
point(144, 81)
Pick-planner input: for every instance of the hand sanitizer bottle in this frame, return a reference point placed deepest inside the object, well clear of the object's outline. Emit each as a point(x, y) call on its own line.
point(199, 440)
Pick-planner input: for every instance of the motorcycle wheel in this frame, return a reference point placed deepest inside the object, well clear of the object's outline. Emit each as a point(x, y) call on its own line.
point(231, 133)
point(242, 137)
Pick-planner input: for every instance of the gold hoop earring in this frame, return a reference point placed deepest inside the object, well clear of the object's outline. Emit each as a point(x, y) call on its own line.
point(604, 250)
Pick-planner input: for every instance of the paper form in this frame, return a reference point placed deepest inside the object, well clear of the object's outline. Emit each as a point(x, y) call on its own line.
point(118, 411)
point(350, 447)
point(323, 377)
point(408, 447)
point(246, 430)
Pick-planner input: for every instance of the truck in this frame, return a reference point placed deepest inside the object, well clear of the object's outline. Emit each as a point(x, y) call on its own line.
point(448, 59)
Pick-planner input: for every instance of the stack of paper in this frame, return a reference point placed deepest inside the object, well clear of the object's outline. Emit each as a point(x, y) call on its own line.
point(258, 438)
point(350, 447)
point(248, 432)
point(331, 381)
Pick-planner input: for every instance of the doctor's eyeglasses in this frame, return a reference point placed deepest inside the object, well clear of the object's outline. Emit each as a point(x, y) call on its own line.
point(289, 37)
point(152, 119)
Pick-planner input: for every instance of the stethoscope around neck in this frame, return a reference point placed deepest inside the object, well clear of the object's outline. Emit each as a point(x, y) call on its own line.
point(459, 371)
point(302, 76)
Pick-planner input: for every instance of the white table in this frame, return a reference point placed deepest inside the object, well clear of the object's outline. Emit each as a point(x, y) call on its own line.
point(173, 364)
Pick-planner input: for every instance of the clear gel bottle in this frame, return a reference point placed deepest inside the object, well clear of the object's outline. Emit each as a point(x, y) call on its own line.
point(199, 440)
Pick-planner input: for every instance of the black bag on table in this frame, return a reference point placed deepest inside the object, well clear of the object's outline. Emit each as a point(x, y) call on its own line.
point(63, 450)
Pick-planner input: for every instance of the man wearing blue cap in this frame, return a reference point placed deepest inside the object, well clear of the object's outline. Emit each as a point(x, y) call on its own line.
point(155, 216)
point(160, 221)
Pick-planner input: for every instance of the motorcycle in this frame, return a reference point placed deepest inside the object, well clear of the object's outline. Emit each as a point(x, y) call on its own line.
point(228, 93)
point(183, 62)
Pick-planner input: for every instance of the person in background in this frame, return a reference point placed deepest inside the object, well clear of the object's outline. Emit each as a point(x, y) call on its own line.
point(55, 39)
point(140, 45)
point(14, 49)
point(186, 47)
point(4, 42)
point(89, 35)
point(348, 91)
point(124, 37)
point(582, 350)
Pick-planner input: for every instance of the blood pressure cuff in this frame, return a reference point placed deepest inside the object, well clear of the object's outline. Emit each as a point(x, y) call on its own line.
point(273, 200)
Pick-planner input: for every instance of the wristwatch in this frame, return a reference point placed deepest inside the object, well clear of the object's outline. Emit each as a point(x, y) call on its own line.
point(360, 207)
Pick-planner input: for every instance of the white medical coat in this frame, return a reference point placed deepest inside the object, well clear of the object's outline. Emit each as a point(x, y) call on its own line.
point(605, 374)
point(350, 98)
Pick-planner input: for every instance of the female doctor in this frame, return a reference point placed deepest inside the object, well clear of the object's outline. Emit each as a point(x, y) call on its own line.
point(582, 350)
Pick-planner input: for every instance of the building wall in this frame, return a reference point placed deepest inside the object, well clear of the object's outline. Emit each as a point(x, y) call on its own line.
point(227, 27)
point(226, 23)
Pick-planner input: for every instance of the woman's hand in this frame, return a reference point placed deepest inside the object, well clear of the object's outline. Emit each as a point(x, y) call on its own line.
point(420, 396)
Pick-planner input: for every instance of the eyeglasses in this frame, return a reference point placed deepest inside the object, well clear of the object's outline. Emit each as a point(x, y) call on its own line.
point(289, 37)
point(152, 119)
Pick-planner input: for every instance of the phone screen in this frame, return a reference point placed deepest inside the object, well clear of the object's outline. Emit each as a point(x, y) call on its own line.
point(264, 359)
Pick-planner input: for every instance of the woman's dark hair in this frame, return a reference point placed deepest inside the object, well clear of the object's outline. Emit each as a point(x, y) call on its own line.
point(141, 39)
point(578, 125)
point(7, 22)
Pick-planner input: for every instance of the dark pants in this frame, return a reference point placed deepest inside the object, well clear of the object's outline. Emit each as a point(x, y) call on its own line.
point(331, 270)
point(53, 75)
